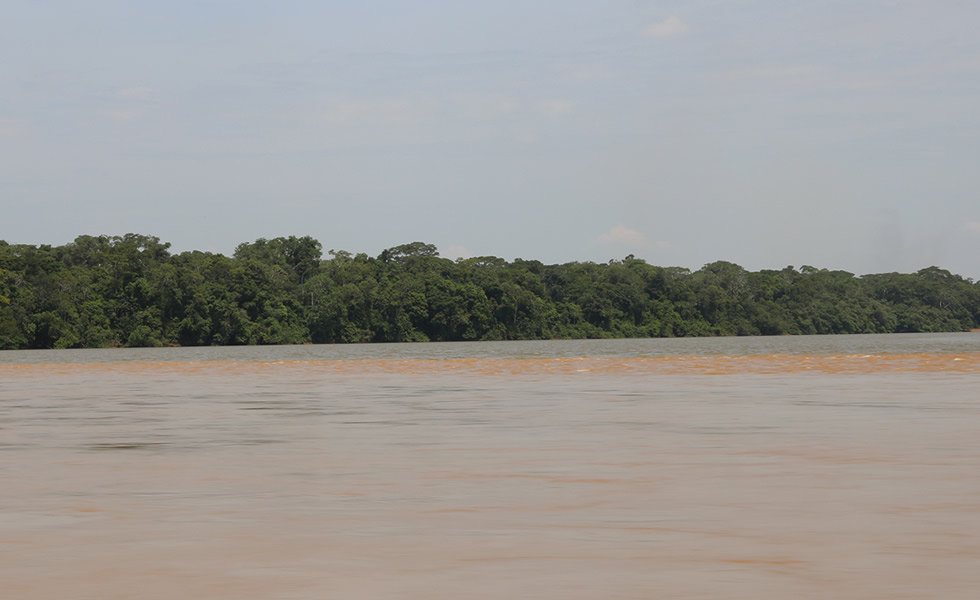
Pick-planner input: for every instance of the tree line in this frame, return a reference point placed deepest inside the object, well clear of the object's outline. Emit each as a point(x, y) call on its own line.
point(106, 291)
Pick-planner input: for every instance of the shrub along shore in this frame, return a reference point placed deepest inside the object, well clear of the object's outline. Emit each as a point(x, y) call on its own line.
point(105, 291)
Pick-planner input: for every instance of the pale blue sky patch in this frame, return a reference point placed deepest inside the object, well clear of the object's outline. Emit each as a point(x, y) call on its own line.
point(837, 134)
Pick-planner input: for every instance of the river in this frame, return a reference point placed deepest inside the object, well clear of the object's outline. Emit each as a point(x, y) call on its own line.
point(784, 467)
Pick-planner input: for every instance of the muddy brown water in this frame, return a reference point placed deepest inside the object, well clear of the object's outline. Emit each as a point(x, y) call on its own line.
point(830, 467)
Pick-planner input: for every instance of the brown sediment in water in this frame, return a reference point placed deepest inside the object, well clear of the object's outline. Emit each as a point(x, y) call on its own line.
point(571, 478)
point(681, 365)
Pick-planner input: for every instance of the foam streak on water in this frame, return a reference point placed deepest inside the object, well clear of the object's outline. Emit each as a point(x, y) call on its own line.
point(775, 472)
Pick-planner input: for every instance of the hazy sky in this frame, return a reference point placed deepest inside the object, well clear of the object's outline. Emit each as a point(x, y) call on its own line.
point(838, 134)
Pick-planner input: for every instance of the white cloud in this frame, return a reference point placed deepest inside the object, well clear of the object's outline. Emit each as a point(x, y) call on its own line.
point(620, 235)
point(483, 107)
point(11, 126)
point(556, 107)
point(973, 226)
point(382, 111)
point(587, 72)
point(455, 252)
point(137, 93)
point(528, 136)
point(128, 104)
point(669, 27)
point(123, 113)
point(419, 110)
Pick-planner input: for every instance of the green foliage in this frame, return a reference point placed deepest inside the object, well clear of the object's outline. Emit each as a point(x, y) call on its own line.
point(102, 291)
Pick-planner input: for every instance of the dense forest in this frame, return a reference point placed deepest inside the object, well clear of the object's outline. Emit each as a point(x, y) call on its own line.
point(131, 291)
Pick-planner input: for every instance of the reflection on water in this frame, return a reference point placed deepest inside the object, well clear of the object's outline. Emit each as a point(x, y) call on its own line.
point(763, 471)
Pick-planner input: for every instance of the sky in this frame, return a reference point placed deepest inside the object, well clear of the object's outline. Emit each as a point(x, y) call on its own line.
point(835, 134)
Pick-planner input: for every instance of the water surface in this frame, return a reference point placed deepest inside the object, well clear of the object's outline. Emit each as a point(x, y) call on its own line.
point(808, 467)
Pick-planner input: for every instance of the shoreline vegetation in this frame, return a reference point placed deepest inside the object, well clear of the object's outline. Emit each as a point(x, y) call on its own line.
point(113, 291)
